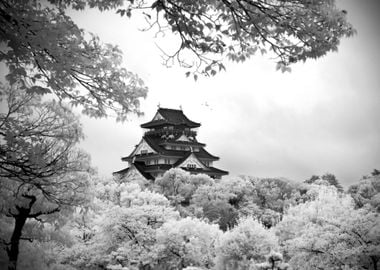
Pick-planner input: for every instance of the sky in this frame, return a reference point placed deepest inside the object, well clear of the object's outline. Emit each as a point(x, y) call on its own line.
point(323, 116)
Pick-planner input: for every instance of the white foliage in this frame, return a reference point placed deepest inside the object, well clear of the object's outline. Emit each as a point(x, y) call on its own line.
point(187, 242)
point(246, 243)
point(329, 232)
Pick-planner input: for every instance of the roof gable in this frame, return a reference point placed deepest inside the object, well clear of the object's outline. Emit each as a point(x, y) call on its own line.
point(157, 117)
point(183, 138)
point(191, 161)
point(133, 173)
point(143, 148)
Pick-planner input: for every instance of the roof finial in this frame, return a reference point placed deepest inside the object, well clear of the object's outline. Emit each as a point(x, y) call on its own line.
point(180, 107)
point(159, 105)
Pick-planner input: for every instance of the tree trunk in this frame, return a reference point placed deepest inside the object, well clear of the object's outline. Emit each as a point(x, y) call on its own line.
point(15, 240)
point(374, 261)
point(20, 219)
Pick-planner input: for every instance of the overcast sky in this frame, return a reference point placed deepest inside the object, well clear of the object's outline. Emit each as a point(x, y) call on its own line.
point(324, 116)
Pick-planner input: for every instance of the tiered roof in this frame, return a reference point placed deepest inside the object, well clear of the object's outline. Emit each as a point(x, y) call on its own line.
point(171, 136)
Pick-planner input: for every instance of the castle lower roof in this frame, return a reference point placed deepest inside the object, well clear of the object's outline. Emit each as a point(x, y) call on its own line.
point(156, 144)
point(146, 170)
point(140, 166)
point(209, 170)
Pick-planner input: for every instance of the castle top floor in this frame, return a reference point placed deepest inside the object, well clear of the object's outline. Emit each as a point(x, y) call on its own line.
point(170, 120)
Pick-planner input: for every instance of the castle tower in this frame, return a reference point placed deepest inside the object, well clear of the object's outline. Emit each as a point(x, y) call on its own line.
point(170, 142)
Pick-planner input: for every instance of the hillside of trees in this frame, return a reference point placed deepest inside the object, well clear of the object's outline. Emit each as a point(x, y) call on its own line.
point(57, 213)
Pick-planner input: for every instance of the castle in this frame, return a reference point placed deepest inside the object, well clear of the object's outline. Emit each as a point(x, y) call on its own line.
point(169, 142)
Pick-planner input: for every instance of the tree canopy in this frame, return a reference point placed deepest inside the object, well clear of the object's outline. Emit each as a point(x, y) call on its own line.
point(41, 170)
point(366, 193)
point(46, 52)
point(125, 225)
point(213, 30)
point(328, 233)
point(327, 178)
point(248, 242)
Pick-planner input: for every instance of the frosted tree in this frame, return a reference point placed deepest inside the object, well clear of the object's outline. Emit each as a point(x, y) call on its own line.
point(329, 233)
point(124, 232)
point(245, 245)
point(220, 202)
point(328, 178)
point(41, 170)
point(268, 199)
point(231, 198)
point(366, 193)
point(179, 186)
point(186, 242)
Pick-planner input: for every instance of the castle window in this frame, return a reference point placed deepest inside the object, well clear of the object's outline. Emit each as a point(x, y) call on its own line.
point(191, 166)
point(143, 152)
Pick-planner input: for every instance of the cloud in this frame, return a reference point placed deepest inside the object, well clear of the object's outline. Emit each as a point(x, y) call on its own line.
point(323, 116)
